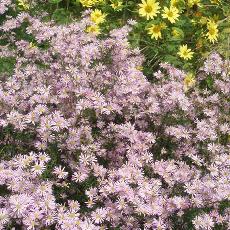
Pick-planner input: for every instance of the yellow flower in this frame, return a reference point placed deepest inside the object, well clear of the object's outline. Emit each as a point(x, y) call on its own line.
point(155, 30)
point(212, 31)
point(192, 3)
point(174, 3)
point(100, 1)
point(171, 14)
point(24, 4)
point(139, 68)
point(185, 53)
point(116, 5)
point(32, 45)
point(203, 20)
point(88, 3)
point(189, 81)
point(149, 9)
point(177, 33)
point(97, 16)
point(94, 29)
point(216, 1)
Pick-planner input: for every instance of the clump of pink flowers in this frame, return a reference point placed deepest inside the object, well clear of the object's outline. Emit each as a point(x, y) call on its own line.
point(129, 154)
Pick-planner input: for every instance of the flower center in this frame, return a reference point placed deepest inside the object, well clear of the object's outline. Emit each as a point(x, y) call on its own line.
point(170, 14)
point(148, 9)
point(211, 31)
point(185, 53)
point(156, 29)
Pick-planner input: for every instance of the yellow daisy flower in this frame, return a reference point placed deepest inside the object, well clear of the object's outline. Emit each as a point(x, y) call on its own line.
point(24, 4)
point(215, 1)
point(203, 20)
point(174, 3)
point(116, 5)
point(192, 3)
point(149, 9)
point(171, 14)
point(32, 45)
point(212, 31)
point(88, 3)
point(189, 81)
point(155, 30)
point(97, 16)
point(94, 29)
point(185, 52)
point(177, 33)
point(139, 68)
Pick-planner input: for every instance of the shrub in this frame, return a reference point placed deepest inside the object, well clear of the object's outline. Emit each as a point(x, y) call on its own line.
point(107, 148)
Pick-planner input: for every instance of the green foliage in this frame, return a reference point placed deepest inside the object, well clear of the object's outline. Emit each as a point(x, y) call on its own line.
point(61, 16)
point(55, 1)
point(13, 142)
point(7, 64)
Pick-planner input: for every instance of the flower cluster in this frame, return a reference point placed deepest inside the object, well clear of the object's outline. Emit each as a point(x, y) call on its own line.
point(108, 148)
point(163, 28)
point(4, 5)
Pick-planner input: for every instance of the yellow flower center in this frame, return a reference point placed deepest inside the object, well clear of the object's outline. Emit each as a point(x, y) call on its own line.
point(37, 167)
point(156, 29)
point(148, 9)
point(170, 14)
point(212, 31)
point(185, 53)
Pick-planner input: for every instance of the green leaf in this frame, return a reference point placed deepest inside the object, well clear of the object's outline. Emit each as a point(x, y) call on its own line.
point(172, 60)
point(6, 64)
point(209, 82)
point(226, 10)
point(55, 1)
point(61, 16)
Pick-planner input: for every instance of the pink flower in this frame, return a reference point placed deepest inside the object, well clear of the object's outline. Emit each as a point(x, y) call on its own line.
point(60, 172)
point(99, 215)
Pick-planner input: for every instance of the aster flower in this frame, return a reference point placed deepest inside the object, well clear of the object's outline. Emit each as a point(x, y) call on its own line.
point(19, 204)
point(80, 176)
point(38, 168)
point(74, 205)
point(60, 172)
point(87, 159)
point(43, 157)
point(4, 216)
point(90, 203)
point(99, 215)
point(4, 6)
point(44, 188)
point(203, 221)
